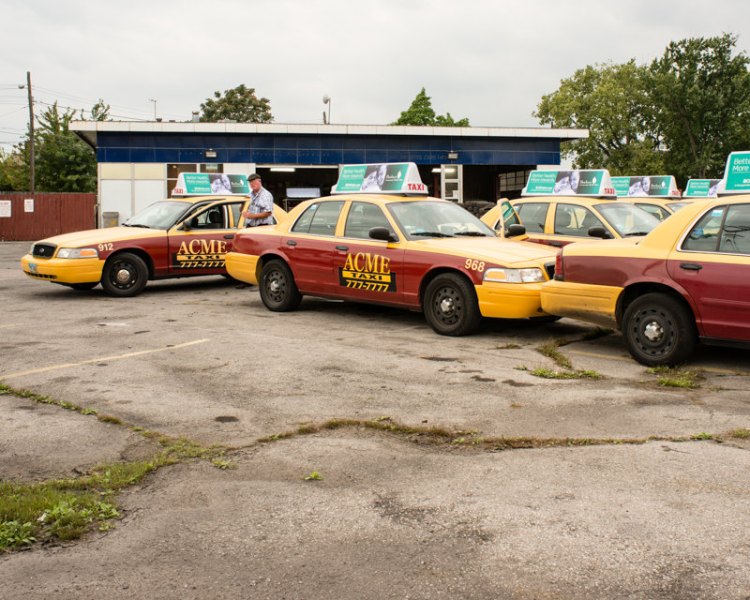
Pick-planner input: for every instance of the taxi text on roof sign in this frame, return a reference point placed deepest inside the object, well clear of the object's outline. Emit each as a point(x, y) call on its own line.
point(701, 188)
point(584, 182)
point(736, 175)
point(211, 184)
point(658, 186)
point(380, 178)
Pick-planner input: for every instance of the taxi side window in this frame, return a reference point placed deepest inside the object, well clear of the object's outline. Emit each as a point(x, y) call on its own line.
point(735, 235)
point(575, 220)
point(320, 218)
point(533, 216)
point(362, 217)
point(213, 218)
point(704, 236)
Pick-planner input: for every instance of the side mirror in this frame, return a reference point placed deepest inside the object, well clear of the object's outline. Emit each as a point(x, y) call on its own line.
point(515, 230)
point(186, 225)
point(599, 232)
point(382, 234)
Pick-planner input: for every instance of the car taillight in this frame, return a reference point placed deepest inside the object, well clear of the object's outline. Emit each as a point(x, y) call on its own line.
point(559, 274)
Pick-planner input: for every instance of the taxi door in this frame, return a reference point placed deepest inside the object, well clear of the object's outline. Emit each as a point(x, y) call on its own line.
point(713, 266)
point(199, 244)
point(368, 269)
point(311, 246)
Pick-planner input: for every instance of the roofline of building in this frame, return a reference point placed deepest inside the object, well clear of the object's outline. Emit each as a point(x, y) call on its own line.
point(89, 129)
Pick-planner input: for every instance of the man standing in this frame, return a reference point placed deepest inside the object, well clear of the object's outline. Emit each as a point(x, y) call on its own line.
point(260, 211)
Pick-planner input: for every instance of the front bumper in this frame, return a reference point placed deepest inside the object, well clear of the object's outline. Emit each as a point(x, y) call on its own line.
point(63, 270)
point(509, 300)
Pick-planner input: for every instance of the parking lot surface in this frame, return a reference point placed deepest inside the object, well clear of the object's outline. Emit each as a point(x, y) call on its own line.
point(625, 488)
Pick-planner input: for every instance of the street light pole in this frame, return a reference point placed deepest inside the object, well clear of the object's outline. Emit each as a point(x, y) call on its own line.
point(327, 100)
point(31, 133)
point(154, 101)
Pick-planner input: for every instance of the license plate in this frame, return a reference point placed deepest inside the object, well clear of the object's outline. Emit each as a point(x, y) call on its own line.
point(32, 267)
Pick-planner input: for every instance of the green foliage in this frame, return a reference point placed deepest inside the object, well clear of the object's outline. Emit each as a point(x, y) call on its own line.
point(681, 115)
point(700, 97)
point(421, 113)
point(608, 100)
point(238, 104)
point(14, 534)
point(314, 476)
point(676, 377)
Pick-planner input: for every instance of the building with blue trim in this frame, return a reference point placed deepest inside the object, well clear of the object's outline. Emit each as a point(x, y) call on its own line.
point(139, 162)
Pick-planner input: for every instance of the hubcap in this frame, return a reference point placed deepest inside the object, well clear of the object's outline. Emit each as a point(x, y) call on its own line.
point(274, 286)
point(653, 331)
point(123, 276)
point(447, 306)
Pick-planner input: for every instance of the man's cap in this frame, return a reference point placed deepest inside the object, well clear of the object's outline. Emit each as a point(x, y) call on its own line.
point(253, 177)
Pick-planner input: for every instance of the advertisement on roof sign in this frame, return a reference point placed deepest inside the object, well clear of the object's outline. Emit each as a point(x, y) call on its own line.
point(737, 174)
point(569, 183)
point(662, 186)
point(702, 188)
point(380, 178)
point(207, 184)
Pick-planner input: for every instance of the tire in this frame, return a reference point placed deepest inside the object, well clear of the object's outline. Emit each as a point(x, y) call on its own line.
point(82, 287)
point(450, 305)
point(277, 288)
point(124, 275)
point(659, 330)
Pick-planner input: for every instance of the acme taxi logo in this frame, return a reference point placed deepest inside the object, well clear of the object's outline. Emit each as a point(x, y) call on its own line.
point(370, 272)
point(201, 254)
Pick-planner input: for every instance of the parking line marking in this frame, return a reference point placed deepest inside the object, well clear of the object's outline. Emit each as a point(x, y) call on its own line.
point(100, 359)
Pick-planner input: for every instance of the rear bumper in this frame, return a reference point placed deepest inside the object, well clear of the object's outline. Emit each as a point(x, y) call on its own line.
point(586, 302)
point(242, 267)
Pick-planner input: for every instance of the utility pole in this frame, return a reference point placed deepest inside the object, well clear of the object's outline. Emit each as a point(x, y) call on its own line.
point(31, 131)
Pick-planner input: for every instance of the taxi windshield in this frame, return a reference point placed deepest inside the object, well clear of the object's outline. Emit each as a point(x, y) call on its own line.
point(160, 215)
point(437, 219)
point(627, 219)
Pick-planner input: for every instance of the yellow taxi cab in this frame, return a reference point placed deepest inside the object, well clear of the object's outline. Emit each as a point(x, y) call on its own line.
point(656, 194)
point(183, 236)
point(380, 239)
point(562, 207)
point(686, 281)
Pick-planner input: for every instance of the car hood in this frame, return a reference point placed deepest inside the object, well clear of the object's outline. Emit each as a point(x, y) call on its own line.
point(494, 250)
point(90, 237)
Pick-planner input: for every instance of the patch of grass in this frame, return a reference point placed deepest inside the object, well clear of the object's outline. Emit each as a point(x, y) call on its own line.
point(574, 374)
point(550, 350)
point(222, 464)
point(739, 434)
point(14, 534)
point(314, 476)
point(676, 377)
point(703, 436)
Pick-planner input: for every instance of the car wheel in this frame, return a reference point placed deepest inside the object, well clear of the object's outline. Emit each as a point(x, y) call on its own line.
point(124, 275)
point(659, 330)
point(81, 287)
point(277, 288)
point(450, 305)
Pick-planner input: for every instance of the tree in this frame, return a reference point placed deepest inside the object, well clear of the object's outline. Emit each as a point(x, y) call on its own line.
point(611, 102)
point(64, 163)
point(238, 104)
point(421, 113)
point(700, 98)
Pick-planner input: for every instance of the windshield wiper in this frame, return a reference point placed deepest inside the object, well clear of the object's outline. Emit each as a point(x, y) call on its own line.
point(437, 234)
point(472, 233)
point(136, 225)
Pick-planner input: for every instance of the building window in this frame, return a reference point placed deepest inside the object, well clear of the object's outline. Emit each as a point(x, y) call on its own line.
point(513, 181)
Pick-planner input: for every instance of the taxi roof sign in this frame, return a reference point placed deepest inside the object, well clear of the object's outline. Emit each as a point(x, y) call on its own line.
point(211, 184)
point(643, 186)
point(379, 178)
point(580, 182)
point(701, 188)
point(736, 175)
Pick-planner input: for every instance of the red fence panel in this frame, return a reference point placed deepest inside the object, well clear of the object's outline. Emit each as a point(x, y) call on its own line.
point(52, 214)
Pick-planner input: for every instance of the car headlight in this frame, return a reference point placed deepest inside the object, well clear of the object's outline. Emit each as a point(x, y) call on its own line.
point(77, 253)
point(532, 275)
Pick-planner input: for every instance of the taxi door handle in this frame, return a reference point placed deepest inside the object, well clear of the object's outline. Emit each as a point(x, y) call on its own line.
point(229, 237)
point(690, 266)
point(556, 244)
point(291, 243)
point(342, 248)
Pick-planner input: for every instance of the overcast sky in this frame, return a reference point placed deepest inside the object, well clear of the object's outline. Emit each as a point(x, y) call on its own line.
point(490, 61)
